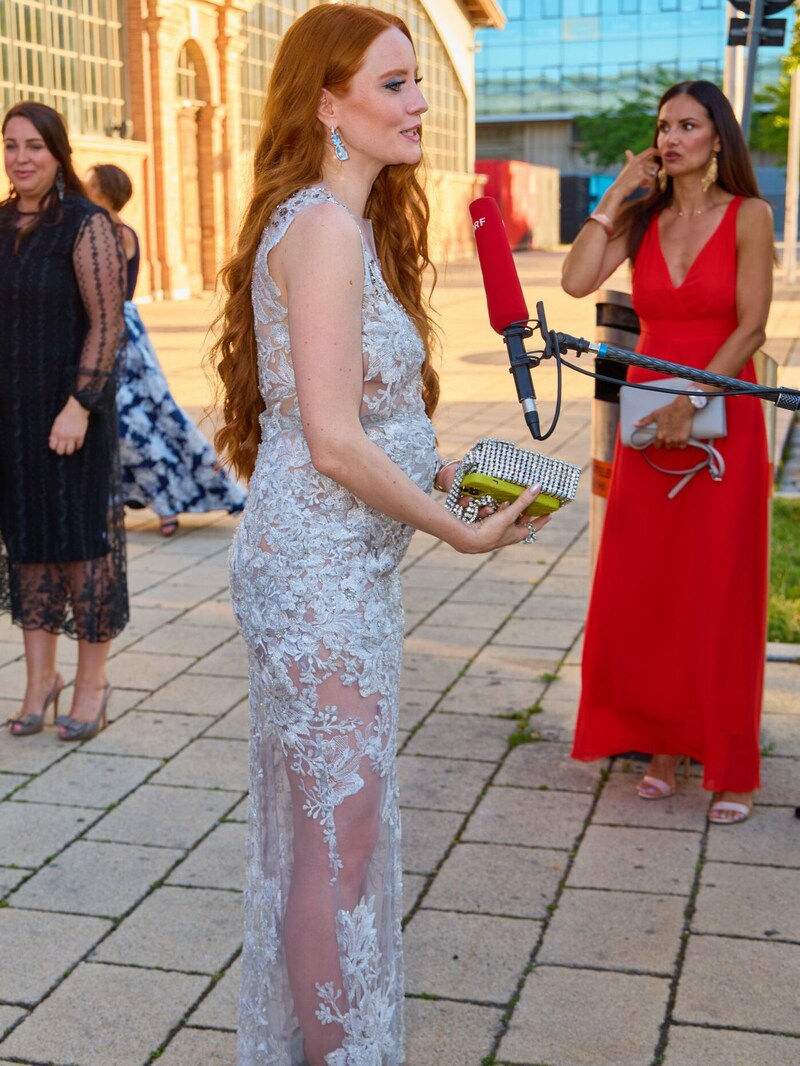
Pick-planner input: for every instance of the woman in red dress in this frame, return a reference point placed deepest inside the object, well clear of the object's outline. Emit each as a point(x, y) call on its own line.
point(674, 649)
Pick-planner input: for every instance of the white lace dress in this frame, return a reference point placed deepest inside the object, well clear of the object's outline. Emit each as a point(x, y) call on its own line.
point(316, 591)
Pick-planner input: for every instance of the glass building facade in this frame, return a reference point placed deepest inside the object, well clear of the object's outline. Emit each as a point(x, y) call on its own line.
point(558, 58)
point(66, 53)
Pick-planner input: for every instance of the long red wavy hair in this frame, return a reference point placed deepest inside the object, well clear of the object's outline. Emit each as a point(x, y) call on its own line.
point(323, 49)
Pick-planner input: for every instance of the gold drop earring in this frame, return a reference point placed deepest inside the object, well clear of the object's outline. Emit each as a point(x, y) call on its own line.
point(710, 175)
point(662, 179)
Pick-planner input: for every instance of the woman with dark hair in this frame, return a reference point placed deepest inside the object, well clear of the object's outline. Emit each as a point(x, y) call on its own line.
point(62, 545)
point(674, 650)
point(324, 355)
point(167, 463)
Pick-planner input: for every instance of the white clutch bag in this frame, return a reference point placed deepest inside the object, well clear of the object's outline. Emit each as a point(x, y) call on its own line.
point(707, 424)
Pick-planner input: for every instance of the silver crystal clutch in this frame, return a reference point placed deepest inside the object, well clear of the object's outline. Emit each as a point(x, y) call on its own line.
point(494, 471)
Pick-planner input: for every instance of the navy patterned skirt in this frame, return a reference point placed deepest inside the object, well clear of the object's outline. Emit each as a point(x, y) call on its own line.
point(167, 463)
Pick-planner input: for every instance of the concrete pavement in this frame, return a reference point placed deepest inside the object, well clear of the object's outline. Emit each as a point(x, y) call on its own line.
point(553, 919)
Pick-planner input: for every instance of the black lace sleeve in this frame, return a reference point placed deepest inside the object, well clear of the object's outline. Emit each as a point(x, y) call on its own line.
point(100, 271)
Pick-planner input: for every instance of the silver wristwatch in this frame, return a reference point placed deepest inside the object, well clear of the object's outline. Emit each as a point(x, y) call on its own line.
point(698, 402)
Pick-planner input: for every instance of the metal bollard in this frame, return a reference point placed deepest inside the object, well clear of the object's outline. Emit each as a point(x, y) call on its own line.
point(618, 324)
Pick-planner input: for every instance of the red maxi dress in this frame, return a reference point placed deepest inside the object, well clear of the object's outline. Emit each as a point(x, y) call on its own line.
point(673, 657)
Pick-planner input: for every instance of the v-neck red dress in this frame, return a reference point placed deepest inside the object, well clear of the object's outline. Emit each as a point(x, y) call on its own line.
point(673, 656)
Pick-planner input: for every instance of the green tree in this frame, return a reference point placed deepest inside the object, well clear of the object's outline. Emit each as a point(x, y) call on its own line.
point(769, 128)
point(605, 135)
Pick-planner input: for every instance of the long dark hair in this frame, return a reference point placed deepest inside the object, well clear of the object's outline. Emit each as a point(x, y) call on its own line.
point(735, 176)
point(53, 130)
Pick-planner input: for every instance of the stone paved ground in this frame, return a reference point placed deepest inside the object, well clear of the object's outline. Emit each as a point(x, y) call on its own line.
point(553, 918)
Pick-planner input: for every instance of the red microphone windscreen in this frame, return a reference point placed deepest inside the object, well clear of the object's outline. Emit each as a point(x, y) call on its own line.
point(500, 279)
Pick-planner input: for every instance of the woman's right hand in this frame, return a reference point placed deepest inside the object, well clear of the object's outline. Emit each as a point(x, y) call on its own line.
point(639, 172)
point(508, 525)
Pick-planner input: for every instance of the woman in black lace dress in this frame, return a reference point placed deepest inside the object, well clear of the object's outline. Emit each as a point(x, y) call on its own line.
point(62, 548)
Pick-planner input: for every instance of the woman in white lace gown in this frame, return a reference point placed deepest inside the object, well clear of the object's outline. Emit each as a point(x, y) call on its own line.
point(327, 382)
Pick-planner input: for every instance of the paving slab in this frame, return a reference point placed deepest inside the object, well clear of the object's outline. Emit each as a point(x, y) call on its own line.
point(413, 885)
point(778, 782)
point(440, 1032)
point(620, 805)
point(10, 877)
point(190, 1047)
point(149, 733)
point(760, 982)
point(132, 669)
point(100, 879)
point(415, 705)
point(447, 642)
point(45, 947)
point(572, 1017)
point(208, 764)
point(486, 617)
point(29, 755)
point(481, 589)
point(234, 725)
point(540, 605)
point(615, 931)
point(427, 835)
point(428, 671)
point(217, 862)
point(752, 901)
point(9, 1016)
point(549, 766)
point(498, 879)
point(122, 700)
point(178, 638)
point(10, 782)
point(535, 818)
point(220, 1008)
point(62, 1030)
point(196, 930)
point(31, 832)
point(87, 779)
point(781, 732)
point(514, 664)
point(624, 858)
point(441, 784)
point(164, 817)
point(769, 836)
point(538, 633)
point(690, 1045)
point(462, 737)
point(467, 956)
point(212, 613)
point(479, 695)
point(228, 660)
point(198, 694)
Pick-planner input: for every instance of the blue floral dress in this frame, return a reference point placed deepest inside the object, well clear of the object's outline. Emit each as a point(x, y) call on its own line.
point(167, 463)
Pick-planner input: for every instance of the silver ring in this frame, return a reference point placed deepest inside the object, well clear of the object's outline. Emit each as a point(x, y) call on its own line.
point(531, 537)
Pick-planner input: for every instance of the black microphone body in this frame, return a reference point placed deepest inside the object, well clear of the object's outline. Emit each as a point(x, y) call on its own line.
point(520, 368)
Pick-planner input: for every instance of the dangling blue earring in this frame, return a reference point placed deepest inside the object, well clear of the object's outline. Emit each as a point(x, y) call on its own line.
point(338, 145)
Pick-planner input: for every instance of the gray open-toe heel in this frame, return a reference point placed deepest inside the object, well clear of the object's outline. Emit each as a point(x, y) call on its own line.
point(70, 729)
point(34, 723)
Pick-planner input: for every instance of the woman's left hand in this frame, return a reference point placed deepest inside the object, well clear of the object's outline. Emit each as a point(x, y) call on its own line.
point(68, 431)
point(673, 424)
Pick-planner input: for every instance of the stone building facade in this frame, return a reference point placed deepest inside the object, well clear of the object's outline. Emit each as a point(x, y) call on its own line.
point(172, 90)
